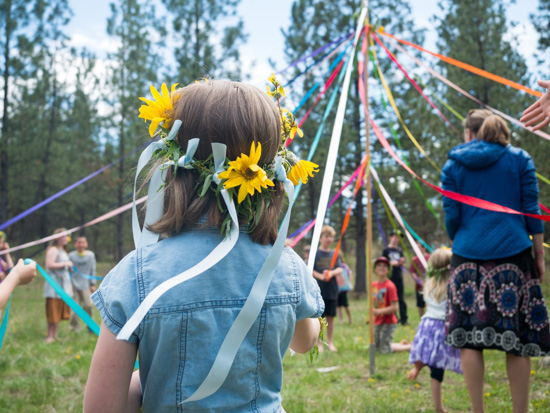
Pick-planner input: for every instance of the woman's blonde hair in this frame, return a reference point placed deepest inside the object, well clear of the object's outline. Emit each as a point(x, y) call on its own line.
point(495, 130)
point(232, 113)
point(474, 119)
point(438, 274)
point(53, 242)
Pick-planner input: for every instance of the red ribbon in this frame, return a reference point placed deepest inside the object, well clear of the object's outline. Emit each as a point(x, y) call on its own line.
point(464, 199)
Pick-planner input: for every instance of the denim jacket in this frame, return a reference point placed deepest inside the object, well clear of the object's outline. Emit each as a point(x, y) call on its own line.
point(182, 333)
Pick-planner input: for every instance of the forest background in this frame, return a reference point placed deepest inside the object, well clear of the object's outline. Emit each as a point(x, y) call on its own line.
point(63, 119)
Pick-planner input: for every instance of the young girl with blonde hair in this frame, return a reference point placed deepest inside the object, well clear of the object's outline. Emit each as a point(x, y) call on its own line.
point(429, 348)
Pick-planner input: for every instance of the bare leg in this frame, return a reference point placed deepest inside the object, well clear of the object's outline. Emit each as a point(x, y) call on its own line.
point(349, 314)
point(418, 365)
point(55, 327)
point(403, 346)
point(519, 372)
point(50, 336)
point(340, 318)
point(436, 396)
point(330, 333)
point(474, 369)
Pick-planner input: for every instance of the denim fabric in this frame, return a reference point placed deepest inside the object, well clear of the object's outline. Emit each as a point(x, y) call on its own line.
point(182, 333)
point(504, 175)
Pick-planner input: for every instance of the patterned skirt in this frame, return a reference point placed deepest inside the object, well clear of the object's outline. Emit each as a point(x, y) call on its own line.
point(429, 347)
point(497, 304)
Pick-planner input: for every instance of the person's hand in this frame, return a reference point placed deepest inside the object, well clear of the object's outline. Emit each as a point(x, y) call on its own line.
point(69, 264)
point(24, 273)
point(539, 112)
point(539, 262)
point(401, 260)
point(376, 311)
point(328, 275)
point(92, 288)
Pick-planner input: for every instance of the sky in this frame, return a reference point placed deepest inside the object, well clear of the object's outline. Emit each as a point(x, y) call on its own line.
point(88, 28)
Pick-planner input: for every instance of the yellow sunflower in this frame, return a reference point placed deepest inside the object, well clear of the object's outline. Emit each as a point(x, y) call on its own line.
point(246, 173)
point(301, 170)
point(158, 110)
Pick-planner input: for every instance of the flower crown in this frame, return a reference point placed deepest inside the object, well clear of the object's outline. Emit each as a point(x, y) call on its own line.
point(242, 177)
point(437, 273)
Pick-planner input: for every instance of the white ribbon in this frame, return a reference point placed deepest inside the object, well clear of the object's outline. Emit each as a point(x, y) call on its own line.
point(144, 159)
point(252, 306)
point(217, 254)
point(155, 200)
point(333, 149)
point(397, 216)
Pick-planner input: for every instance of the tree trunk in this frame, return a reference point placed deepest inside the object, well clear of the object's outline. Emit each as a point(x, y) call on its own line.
point(4, 141)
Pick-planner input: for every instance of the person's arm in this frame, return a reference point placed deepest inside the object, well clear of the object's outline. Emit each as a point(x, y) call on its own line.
point(538, 240)
point(92, 281)
point(319, 276)
point(539, 112)
point(391, 309)
point(111, 387)
point(452, 208)
point(305, 335)
point(21, 274)
point(51, 256)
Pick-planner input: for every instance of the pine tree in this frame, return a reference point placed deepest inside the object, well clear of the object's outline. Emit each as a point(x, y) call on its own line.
point(197, 24)
point(541, 21)
point(135, 68)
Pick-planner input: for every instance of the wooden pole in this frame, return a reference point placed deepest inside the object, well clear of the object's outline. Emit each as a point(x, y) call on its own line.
point(372, 348)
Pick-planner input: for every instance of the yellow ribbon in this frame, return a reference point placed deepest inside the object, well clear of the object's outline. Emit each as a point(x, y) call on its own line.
point(394, 106)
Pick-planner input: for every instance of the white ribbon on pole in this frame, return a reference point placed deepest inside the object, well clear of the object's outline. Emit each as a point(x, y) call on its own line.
point(333, 149)
point(397, 216)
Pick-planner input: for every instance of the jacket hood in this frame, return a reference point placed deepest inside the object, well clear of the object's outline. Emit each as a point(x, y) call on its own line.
point(477, 154)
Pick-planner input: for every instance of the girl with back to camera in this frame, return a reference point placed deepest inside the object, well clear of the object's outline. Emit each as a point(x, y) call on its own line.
point(494, 296)
point(182, 339)
point(428, 347)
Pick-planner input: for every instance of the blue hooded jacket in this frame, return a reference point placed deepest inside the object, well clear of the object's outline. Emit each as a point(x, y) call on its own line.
point(504, 175)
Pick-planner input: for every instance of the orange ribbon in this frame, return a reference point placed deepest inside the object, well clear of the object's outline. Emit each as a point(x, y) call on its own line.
point(468, 67)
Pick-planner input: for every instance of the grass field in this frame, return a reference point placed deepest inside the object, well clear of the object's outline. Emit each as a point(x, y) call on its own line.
point(40, 377)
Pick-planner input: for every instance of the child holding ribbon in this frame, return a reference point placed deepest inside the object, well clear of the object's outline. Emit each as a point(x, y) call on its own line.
point(20, 274)
point(212, 337)
point(428, 347)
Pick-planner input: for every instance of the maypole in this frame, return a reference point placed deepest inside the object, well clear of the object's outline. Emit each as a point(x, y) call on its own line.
point(368, 183)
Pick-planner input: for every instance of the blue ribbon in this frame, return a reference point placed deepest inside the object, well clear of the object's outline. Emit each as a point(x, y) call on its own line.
point(89, 277)
point(4, 323)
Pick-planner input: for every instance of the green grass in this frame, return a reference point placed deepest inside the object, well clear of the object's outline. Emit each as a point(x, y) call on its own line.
point(40, 377)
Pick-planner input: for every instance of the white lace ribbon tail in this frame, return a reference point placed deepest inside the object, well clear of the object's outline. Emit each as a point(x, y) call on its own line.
point(251, 308)
point(221, 250)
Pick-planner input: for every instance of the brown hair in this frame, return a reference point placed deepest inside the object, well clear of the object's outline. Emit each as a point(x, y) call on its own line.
point(475, 119)
point(437, 286)
point(53, 242)
point(236, 115)
point(495, 130)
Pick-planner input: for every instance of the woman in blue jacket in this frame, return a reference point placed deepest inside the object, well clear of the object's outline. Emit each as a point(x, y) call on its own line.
point(494, 295)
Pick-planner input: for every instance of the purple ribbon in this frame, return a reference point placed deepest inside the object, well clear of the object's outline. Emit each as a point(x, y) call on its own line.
point(64, 191)
point(316, 52)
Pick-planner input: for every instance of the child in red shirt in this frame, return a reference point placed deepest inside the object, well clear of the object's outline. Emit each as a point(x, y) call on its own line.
point(385, 307)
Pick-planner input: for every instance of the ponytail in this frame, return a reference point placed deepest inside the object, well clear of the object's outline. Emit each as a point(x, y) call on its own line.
point(495, 130)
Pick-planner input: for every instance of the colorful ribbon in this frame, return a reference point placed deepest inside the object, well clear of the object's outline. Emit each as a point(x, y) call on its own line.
point(394, 106)
point(87, 276)
point(333, 147)
point(4, 323)
point(433, 105)
point(64, 191)
point(473, 98)
point(97, 220)
point(468, 67)
point(464, 199)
